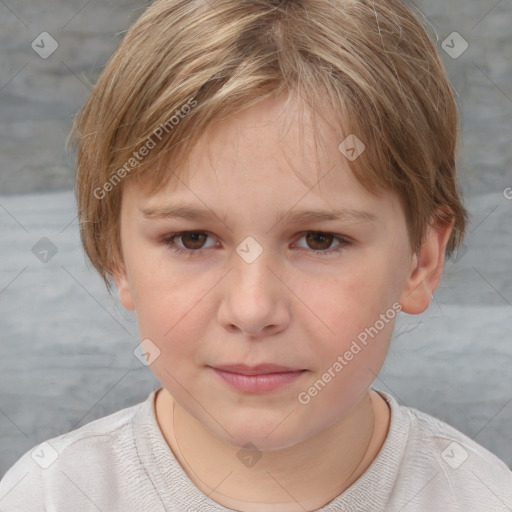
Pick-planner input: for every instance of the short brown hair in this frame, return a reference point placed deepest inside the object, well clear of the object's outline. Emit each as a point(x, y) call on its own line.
point(372, 63)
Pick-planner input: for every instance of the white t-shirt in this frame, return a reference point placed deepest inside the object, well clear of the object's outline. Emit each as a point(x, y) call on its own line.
point(122, 463)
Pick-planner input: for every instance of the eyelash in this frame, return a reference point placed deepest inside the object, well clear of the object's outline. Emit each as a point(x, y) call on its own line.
point(168, 242)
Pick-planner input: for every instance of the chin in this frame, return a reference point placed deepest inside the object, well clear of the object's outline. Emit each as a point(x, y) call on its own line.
point(246, 440)
point(265, 436)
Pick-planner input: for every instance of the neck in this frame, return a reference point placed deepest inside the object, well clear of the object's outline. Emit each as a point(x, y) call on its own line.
point(311, 473)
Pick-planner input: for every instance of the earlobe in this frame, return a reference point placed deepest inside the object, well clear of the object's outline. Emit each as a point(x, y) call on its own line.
point(426, 269)
point(123, 288)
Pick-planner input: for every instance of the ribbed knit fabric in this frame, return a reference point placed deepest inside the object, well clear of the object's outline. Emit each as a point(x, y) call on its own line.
point(122, 463)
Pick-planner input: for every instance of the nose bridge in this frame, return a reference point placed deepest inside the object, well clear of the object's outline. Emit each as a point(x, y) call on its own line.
point(251, 273)
point(252, 297)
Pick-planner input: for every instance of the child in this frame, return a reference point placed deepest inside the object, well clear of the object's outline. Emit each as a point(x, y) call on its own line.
point(225, 143)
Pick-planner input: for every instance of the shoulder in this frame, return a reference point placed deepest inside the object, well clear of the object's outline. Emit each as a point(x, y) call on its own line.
point(88, 457)
point(451, 446)
point(443, 465)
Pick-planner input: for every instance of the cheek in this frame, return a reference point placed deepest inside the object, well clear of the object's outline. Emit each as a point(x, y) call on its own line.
point(171, 308)
point(176, 325)
point(351, 327)
point(346, 304)
point(358, 309)
point(155, 286)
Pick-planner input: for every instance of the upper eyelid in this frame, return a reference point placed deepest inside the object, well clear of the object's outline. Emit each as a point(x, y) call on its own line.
point(300, 233)
point(341, 238)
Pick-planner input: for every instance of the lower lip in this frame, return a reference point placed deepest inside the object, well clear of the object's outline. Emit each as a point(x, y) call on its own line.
point(258, 383)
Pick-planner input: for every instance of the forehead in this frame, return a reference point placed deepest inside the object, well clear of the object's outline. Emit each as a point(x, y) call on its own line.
point(271, 155)
point(271, 133)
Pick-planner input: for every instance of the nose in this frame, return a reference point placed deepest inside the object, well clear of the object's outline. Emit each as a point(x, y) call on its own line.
point(254, 301)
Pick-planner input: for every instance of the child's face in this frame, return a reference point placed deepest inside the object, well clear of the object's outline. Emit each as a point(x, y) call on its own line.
point(292, 306)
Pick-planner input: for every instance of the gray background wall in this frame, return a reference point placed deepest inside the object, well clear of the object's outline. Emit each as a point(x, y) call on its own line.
point(67, 346)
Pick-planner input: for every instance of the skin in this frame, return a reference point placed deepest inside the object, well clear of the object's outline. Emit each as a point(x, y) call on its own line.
point(291, 306)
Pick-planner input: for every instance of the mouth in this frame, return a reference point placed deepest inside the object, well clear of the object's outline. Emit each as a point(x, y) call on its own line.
point(257, 379)
point(260, 369)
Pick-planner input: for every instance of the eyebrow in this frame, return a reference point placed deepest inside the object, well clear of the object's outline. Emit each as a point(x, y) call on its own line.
point(192, 213)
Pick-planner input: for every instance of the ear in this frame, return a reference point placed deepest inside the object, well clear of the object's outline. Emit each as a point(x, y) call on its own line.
point(123, 286)
point(426, 269)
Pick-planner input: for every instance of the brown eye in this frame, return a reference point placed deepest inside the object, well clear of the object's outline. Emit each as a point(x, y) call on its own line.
point(187, 242)
point(319, 241)
point(193, 240)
